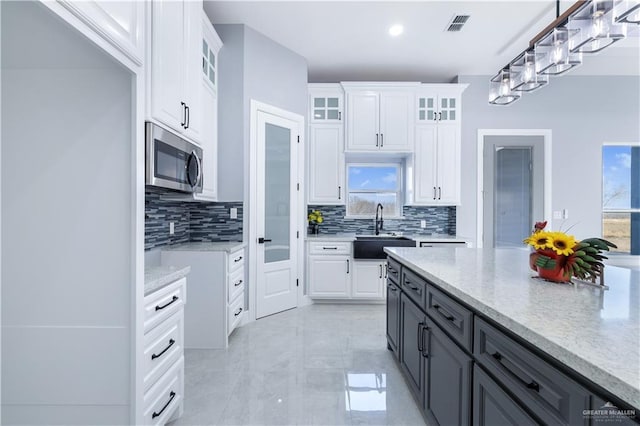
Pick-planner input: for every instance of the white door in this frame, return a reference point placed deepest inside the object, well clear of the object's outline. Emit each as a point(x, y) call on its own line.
point(448, 190)
point(277, 213)
point(425, 164)
point(363, 127)
point(396, 121)
point(367, 280)
point(329, 276)
point(326, 165)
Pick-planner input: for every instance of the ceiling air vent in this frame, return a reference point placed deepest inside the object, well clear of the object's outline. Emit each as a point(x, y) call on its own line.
point(457, 23)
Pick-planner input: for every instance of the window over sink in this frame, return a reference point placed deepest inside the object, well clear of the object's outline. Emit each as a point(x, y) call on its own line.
point(370, 184)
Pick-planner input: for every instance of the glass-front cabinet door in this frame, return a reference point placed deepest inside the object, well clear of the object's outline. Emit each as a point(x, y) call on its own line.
point(427, 110)
point(325, 104)
point(438, 108)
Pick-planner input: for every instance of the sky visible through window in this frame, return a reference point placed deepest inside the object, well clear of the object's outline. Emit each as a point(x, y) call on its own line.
point(616, 174)
point(367, 178)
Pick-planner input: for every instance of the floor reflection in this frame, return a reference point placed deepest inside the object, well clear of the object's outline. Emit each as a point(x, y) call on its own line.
point(366, 392)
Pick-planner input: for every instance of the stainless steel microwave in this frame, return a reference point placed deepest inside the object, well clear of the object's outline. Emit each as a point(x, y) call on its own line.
point(172, 162)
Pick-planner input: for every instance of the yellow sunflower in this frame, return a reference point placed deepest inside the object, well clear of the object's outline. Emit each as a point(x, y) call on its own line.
point(540, 240)
point(562, 243)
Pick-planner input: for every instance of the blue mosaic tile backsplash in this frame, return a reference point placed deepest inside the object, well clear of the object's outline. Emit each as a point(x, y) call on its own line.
point(193, 221)
point(440, 220)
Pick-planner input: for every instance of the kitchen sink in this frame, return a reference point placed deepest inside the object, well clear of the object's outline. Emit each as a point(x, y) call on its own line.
point(372, 246)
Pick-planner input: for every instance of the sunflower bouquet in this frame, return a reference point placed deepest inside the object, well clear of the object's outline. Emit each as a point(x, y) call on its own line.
point(559, 257)
point(315, 218)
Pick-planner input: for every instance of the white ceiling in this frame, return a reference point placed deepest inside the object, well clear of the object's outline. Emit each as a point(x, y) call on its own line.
point(348, 40)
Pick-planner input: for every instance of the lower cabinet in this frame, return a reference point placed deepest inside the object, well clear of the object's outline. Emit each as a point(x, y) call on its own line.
point(412, 322)
point(393, 317)
point(368, 279)
point(492, 406)
point(329, 276)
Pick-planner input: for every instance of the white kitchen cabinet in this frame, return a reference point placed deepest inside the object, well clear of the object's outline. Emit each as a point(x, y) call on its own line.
point(379, 119)
point(326, 165)
point(369, 279)
point(329, 269)
point(325, 103)
point(437, 165)
point(176, 43)
point(434, 107)
point(121, 23)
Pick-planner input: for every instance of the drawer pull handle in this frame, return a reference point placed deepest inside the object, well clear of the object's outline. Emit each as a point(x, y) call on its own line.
point(154, 356)
point(329, 248)
point(171, 396)
point(392, 288)
point(239, 259)
point(238, 283)
point(173, 299)
point(412, 287)
point(444, 313)
point(393, 271)
point(529, 383)
point(237, 313)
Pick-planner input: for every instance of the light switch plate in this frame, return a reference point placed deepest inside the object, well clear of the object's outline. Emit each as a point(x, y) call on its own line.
point(233, 212)
point(423, 223)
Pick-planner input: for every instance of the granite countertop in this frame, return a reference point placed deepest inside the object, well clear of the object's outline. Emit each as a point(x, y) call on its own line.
point(156, 277)
point(228, 246)
point(595, 332)
point(347, 236)
point(351, 236)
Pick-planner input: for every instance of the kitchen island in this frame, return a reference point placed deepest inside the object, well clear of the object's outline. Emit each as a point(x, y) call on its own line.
point(548, 352)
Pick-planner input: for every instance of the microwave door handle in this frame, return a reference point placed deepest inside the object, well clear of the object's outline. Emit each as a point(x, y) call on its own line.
point(199, 165)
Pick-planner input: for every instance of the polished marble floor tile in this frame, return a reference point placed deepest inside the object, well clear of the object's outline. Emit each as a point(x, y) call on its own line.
point(316, 365)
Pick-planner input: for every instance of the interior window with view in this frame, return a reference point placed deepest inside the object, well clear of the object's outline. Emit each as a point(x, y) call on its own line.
point(621, 197)
point(369, 185)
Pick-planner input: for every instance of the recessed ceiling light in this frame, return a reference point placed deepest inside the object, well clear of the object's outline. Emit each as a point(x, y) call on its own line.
point(396, 30)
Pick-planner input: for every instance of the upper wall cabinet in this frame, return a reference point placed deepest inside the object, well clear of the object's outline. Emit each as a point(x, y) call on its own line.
point(176, 64)
point(439, 105)
point(380, 117)
point(325, 103)
point(120, 23)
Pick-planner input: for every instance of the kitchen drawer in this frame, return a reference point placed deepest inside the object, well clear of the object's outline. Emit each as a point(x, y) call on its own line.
point(235, 282)
point(455, 319)
point(163, 303)
point(329, 247)
point(545, 390)
point(161, 401)
point(236, 308)
point(393, 270)
point(163, 346)
point(236, 260)
point(414, 286)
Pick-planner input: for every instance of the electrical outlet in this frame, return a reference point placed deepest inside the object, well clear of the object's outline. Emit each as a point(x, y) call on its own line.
point(565, 213)
point(233, 213)
point(172, 228)
point(557, 214)
point(423, 224)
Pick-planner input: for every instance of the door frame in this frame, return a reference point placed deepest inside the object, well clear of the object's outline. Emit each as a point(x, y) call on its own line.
point(252, 244)
point(546, 134)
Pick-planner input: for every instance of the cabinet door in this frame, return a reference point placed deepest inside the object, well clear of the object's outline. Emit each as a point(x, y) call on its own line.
point(448, 164)
point(209, 144)
point(396, 121)
point(448, 109)
point(493, 406)
point(427, 108)
point(447, 379)
point(393, 316)
point(167, 68)
point(326, 165)
point(192, 63)
point(425, 165)
point(325, 108)
point(119, 22)
point(329, 276)
point(367, 280)
point(412, 321)
point(363, 132)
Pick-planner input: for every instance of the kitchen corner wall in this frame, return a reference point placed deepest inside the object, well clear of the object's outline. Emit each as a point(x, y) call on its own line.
point(440, 220)
point(194, 221)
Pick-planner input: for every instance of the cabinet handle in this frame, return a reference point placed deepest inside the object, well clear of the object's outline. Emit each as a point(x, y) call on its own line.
point(393, 271)
point(420, 348)
point(238, 313)
point(339, 115)
point(434, 192)
point(439, 116)
point(444, 313)
point(339, 193)
point(380, 272)
point(347, 266)
point(412, 287)
point(240, 258)
point(385, 271)
point(154, 356)
point(527, 382)
point(238, 283)
point(188, 115)
point(171, 396)
point(184, 114)
point(439, 192)
point(377, 139)
point(173, 299)
point(381, 140)
point(424, 347)
point(392, 287)
point(329, 248)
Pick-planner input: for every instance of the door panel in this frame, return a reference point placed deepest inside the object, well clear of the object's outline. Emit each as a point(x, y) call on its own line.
point(393, 316)
point(367, 280)
point(396, 121)
point(326, 165)
point(193, 68)
point(410, 357)
point(425, 164)
point(329, 276)
point(448, 164)
point(362, 122)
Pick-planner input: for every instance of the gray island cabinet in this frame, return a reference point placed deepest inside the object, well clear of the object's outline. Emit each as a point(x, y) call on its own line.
point(481, 342)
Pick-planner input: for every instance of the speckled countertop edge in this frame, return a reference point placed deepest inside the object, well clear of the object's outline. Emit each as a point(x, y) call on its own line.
point(156, 277)
point(228, 246)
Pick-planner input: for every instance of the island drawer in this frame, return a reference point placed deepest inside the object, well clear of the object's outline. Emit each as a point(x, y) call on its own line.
point(454, 318)
point(414, 286)
point(330, 247)
point(393, 270)
point(548, 392)
point(235, 260)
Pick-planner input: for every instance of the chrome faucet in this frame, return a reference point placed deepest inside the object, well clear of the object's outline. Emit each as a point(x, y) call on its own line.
point(379, 221)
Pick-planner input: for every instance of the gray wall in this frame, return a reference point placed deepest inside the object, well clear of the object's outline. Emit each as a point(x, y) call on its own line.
point(582, 113)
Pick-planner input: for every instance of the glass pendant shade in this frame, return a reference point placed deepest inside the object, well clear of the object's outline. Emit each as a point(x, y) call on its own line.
point(500, 92)
point(524, 73)
point(627, 12)
point(555, 56)
point(593, 27)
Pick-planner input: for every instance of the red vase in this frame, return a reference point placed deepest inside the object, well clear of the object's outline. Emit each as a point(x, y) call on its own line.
point(556, 274)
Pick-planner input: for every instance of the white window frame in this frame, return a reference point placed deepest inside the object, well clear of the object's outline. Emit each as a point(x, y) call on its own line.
point(399, 191)
point(602, 208)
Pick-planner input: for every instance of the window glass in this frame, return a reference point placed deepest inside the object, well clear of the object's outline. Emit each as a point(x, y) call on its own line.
point(369, 185)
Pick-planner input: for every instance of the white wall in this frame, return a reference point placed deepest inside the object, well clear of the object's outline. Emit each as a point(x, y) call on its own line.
point(66, 221)
point(582, 113)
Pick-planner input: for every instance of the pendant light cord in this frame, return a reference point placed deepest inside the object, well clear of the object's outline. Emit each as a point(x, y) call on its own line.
point(557, 9)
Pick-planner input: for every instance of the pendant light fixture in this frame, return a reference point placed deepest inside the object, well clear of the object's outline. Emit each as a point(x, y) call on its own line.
point(587, 26)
